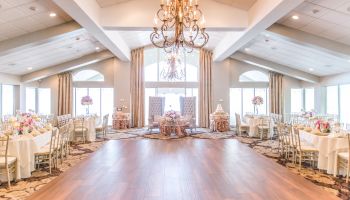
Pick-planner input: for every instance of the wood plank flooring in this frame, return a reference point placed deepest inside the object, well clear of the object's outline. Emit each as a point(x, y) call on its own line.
point(179, 169)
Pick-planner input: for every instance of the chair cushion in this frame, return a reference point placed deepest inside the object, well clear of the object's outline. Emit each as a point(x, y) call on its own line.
point(344, 155)
point(80, 129)
point(308, 148)
point(44, 150)
point(10, 160)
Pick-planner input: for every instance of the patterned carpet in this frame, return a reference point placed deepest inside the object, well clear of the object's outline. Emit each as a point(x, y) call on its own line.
point(268, 148)
point(26, 187)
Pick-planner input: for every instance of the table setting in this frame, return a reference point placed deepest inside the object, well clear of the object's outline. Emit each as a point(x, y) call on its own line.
point(328, 138)
point(172, 122)
point(28, 133)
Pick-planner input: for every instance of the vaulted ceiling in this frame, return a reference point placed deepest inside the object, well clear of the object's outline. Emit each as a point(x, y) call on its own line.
point(312, 37)
point(20, 17)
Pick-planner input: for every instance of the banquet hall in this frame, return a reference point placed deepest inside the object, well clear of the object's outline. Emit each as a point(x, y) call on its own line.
point(174, 99)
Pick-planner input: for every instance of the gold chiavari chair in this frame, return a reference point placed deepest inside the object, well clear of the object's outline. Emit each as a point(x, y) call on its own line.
point(343, 160)
point(303, 151)
point(9, 163)
point(48, 154)
point(264, 127)
point(80, 131)
point(241, 127)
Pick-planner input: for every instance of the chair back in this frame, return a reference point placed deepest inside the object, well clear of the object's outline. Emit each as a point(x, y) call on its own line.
point(105, 121)
point(188, 106)
point(4, 141)
point(156, 107)
point(79, 124)
point(238, 120)
point(54, 142)
point(296, 138)
point(63, 134)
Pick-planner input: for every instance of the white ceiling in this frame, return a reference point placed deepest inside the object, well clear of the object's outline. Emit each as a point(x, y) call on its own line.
point(326, 18)
point(17, 18)
point(58, 50)
point(294, 55)
point(241, 4)
point(136, 39)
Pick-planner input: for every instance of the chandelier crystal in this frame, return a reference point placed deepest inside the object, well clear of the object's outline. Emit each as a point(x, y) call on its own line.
point(173, 70)
point(182, 26)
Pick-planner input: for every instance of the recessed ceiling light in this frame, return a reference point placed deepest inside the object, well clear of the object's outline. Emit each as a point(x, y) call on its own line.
point(97, 48)
point(295, 17)
point(246, 49)
point(30, 68)
point(311, 69)
point(52, 14)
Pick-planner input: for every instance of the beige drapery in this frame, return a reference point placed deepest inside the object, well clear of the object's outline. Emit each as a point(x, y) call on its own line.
point(205, 87)
point(276, 93)
point(137, 88)
point(65, 93)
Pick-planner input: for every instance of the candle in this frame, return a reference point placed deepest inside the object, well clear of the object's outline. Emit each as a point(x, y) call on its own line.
point(161, 2)
point(196, 2)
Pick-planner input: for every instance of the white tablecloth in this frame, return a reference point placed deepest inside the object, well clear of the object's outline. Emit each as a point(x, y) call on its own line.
point(327, 147)
point(253, 123)
point(23, 148)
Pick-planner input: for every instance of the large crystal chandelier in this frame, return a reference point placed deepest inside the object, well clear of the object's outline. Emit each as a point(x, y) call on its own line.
point(182, 26)
point(173, 70)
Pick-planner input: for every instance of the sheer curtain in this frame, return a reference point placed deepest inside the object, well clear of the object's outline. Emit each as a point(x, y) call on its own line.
point(65, 93)
point(276, 93)
point(137, 87)
point(205, 87)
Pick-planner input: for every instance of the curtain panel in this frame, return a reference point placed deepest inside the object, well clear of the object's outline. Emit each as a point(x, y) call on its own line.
point(137, 87)
point(65, 94)
point(205, 87)
point(276, 93)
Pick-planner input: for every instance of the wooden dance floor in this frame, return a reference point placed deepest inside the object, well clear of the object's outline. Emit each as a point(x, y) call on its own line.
point(179, 169)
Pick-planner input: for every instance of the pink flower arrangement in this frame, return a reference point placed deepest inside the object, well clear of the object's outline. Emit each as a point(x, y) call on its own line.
point(257, 100)
point(26, 123)
point(323, 126)
point(172, 115)
point(86, 100)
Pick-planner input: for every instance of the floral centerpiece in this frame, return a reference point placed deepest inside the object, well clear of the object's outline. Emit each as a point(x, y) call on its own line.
point(25, 123)
point(257, 101)
point(308, 114)
point(172, 115)
point(323, 126)
point(86, 101)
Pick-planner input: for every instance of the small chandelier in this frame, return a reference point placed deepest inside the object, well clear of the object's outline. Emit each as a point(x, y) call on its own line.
point(182, 26)
point(173, 70)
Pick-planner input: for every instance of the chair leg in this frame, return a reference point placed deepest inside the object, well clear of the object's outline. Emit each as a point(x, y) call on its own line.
point(8, 176)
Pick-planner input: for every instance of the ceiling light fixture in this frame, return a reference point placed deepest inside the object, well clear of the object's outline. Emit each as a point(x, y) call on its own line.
point(30, 68)
point(97, 48)
point(295, 17)
point(183, 26)
point(52, 14)
point(311, 69)
point(246, 49)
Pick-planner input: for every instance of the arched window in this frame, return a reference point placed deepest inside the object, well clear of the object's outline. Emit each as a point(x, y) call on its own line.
point(88, 75)
point(253, 76)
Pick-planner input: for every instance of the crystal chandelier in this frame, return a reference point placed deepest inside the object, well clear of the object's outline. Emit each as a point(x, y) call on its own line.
point(182, 26)
point(173, 69)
